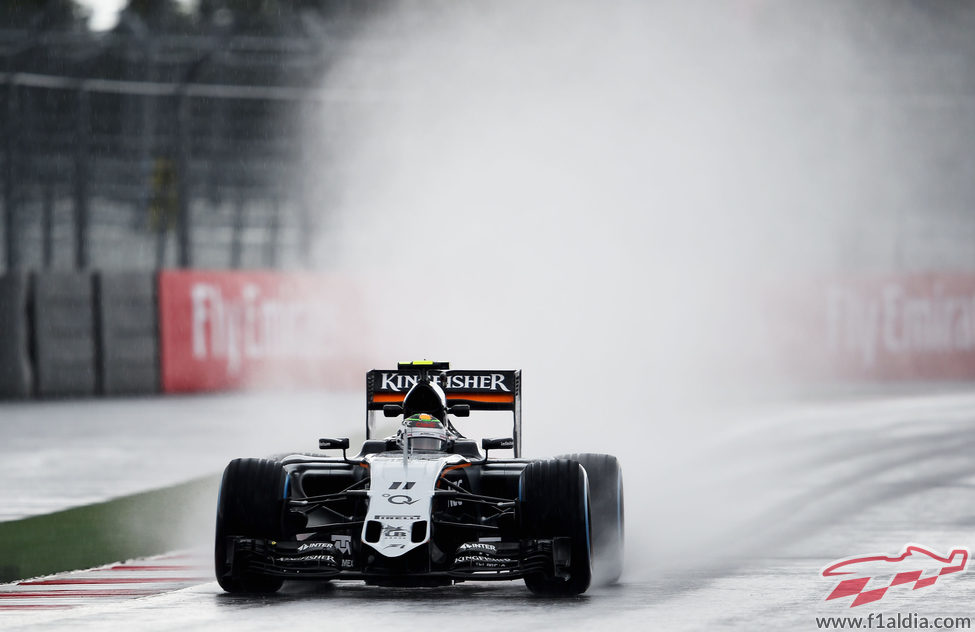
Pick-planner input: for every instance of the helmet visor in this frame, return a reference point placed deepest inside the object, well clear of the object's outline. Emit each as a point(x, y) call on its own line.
point(426, 443)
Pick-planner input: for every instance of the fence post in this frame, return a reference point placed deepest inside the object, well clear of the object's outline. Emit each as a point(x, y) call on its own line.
point(10, 175)
point(308, 185)
point(47, 225)
point(271, 245)
point(147, 144)
point(81, 173)
point(237, 239)
point(184, 244)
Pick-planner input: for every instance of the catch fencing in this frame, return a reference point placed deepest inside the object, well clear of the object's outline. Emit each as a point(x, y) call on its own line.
point(138, 153)
point(183, 193)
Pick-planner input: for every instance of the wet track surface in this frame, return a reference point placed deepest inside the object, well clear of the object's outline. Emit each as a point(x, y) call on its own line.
point(56, 455)
point(827, 482)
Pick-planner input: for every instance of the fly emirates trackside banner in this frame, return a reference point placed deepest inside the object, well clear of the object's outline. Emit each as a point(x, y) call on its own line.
point(903, 328)
point(222, 330)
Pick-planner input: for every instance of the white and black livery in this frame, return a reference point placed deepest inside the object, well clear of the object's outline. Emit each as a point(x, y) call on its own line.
point(424, 507)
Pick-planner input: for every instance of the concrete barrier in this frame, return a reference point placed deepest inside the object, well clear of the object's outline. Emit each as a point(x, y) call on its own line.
point(16, 377)
point(64, 334)
point(128, 338)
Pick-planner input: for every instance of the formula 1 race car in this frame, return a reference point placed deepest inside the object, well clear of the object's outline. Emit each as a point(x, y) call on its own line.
point(423, 507)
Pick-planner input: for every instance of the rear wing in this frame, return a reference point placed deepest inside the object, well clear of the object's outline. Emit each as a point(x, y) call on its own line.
point(481, 390)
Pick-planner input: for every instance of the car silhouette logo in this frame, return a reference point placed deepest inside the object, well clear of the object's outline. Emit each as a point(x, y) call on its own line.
point(917, 567)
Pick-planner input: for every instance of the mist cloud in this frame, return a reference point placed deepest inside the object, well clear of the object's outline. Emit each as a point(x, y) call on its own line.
point(590, 191)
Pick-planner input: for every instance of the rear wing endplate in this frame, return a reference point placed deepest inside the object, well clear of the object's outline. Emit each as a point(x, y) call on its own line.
point(481, 390)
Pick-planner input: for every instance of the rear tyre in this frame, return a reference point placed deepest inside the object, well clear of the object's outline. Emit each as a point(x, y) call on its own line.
point(606, 497)
point(250, 505)
point(554, 502)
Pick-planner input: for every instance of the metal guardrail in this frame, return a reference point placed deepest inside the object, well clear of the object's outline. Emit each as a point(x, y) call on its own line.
point(196, 90)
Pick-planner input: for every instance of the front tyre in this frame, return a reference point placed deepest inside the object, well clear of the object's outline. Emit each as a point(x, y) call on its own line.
point(250, 505)
point(554, 502)
point(606, 496)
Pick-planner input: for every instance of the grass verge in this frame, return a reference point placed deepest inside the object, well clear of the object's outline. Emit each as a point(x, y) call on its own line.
point(147, 523)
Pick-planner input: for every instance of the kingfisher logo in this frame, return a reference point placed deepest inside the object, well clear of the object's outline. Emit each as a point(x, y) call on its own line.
point(473, 381)
point(868, 578)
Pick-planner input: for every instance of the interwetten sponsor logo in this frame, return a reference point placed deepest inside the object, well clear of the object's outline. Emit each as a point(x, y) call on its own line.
point(475, 547)
point(316, 546)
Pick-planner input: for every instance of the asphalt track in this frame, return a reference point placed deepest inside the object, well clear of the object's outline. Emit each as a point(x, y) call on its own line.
point(60, 454)
point(817, 483)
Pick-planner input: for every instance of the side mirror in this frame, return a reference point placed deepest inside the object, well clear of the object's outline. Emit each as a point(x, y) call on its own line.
point(392, 410)
point(460, 410)
point(333, 444)
point(507, 443)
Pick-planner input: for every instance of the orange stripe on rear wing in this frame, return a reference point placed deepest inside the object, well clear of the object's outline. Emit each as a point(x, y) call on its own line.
point(453, 398)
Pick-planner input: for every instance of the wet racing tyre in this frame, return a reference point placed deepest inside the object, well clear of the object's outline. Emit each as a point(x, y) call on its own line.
point(250, 505)
point(606, 499)
point(554, 502)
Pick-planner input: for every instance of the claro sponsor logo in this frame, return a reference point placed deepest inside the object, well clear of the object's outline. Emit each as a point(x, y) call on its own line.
point(400, 499)
point(894, 320)
point(252, 325)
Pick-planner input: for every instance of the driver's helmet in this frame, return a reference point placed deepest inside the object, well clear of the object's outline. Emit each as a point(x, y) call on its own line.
point(422, 432)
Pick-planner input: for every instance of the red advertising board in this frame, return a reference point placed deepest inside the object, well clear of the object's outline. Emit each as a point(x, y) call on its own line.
point(224, 330)
point(887, 328)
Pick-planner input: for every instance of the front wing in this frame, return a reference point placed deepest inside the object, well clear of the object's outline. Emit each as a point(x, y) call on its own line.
point(487, 549)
